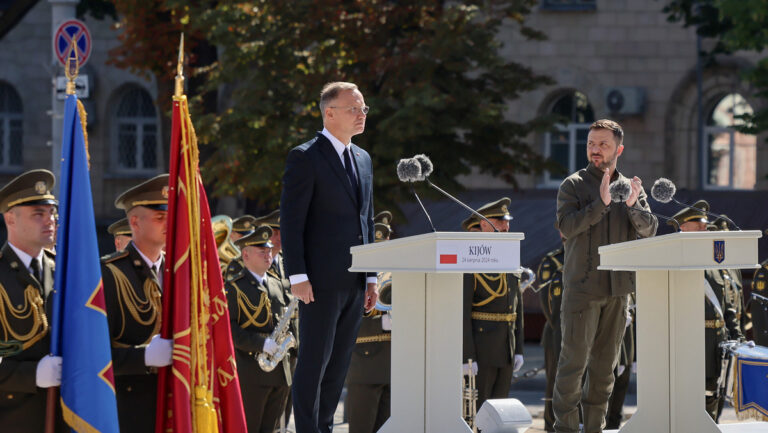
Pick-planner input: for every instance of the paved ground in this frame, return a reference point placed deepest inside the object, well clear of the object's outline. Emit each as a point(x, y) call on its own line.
point(530, 391)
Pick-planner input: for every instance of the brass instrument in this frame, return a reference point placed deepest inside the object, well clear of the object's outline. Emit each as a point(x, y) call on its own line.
point(529, 281)
point(469, 399)
point(384, 301)
point(222, 227)
point(283, 337)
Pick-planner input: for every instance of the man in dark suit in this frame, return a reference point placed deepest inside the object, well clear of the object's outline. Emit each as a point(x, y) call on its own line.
point(326, 208)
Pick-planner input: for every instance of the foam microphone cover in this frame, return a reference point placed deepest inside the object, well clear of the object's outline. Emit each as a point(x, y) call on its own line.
point(408, 170)
point(426, 165)
point(663, 190)
point(620, 190)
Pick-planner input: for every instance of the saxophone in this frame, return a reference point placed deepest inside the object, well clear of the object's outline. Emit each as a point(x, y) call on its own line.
point(283, 337)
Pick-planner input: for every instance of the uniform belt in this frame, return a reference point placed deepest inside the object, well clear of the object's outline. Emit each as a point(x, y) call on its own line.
point(714, 324)
point(374, 338)
point(494, 317)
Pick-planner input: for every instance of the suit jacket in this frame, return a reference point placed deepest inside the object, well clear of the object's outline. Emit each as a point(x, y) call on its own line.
point(22, 403)
point(321, 216)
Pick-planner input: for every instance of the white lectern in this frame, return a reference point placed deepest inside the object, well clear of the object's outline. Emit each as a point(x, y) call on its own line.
point(427, 319)
point(670, 323)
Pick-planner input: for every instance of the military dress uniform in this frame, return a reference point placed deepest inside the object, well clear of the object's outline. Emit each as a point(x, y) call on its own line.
point(550, 277)
point(368, 399)
point(255, 309)
point(758, 304)
point(133, 297)
point(25, 307)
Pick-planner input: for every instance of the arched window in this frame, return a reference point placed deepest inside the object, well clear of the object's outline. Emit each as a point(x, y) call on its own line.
point(11, 131)
point(568, 146)
point(730, 157)
point(136, 147)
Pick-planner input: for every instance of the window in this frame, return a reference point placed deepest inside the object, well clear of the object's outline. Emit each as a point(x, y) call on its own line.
point(568, 146)
point(136, 149)
point(11, 130)
point(730, 157)
point(569, 5)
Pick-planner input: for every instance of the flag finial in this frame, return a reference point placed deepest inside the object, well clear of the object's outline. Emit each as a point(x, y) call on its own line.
point(72, 68)
point(179, 89)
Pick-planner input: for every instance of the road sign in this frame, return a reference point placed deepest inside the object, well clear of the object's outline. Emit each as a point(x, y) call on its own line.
point(72, 31)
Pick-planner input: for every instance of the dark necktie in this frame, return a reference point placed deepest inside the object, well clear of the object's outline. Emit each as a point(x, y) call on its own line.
point(35, 267)
point(348, 169)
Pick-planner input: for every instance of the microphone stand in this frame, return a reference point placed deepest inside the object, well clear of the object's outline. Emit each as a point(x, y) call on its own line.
point(462, 204)
point(413, 190)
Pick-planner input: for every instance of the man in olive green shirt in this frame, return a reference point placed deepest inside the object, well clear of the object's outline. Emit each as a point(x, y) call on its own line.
point(594, 305)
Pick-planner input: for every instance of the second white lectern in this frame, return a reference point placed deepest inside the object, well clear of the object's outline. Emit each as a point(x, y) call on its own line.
point(670, 323)
point(427, 319)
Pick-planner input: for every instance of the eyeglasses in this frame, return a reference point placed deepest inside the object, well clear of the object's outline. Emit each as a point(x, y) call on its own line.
point(356, 110)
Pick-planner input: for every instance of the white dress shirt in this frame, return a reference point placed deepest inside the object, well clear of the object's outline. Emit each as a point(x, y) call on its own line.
point(26, 259)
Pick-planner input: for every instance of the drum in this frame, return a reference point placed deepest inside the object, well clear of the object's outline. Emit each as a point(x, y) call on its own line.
point(744, 382)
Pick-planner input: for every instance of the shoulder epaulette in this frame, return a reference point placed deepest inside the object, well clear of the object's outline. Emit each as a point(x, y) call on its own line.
point(555, 252)
point(232, 276)
point(109, 258)
point(49, 253)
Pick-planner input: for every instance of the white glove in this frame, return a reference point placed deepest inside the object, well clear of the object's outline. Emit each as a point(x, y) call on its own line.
point(49, 372)
point(629, 320)
point(634, 368)
point(750, 343)
point(620, 369)
point(465, 368)
point(270, 346)
point(386, 322)
point(518, 363)
point(159, 352)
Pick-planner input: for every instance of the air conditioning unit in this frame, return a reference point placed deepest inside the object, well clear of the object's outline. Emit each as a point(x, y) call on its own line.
point(625, 100)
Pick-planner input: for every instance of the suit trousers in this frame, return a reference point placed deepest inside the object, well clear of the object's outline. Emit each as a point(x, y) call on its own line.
point(368, 406)
point(591, 334)
point(328, 329)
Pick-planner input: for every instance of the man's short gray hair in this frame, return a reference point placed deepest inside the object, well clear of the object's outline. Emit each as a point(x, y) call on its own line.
point(331, 91)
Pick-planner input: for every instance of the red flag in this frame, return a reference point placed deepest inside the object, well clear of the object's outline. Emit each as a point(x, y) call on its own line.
point(200, 391)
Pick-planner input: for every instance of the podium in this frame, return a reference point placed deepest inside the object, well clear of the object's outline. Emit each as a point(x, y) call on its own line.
point(670, 323)
point(427, 318)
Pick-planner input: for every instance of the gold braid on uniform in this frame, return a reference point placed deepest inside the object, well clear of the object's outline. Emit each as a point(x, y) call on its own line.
point(138, 308)
point(250, 311)
point(484, 280)
point(33, 308)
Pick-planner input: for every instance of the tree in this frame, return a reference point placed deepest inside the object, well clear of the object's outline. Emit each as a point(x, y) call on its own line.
point(734, 25)
point(431, 70)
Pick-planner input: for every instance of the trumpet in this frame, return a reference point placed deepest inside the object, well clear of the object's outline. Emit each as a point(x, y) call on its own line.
point(528, 281)
point(469, 399)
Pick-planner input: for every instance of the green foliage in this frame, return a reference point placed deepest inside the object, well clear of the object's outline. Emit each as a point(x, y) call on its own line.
point(430, 70)
point(734, 25)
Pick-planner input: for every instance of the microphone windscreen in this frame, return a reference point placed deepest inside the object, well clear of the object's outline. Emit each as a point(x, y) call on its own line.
point(663, 190)
point(426, 165)
point(408, 170)
point(620, 190)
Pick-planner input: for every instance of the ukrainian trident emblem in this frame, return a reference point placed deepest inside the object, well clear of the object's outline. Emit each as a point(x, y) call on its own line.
point(719, 251)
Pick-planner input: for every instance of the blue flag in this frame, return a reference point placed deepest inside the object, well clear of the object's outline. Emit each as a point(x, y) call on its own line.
point(80, 334)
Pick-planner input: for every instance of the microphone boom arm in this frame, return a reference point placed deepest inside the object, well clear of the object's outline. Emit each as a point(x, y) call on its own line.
point(429, 220)
point(462, 204)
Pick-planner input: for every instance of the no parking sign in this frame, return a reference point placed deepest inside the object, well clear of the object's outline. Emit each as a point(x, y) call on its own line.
point(72, 31)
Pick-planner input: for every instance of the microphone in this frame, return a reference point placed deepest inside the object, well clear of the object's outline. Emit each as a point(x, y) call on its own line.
point(664, 190)
point(409, 171)
point(426, 169)
point(620, 191)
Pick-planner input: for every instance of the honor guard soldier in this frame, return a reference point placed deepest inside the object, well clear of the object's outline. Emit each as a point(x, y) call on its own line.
point(720, 320)
point(133, 295)
point(368, 379)
point(493, 318)
point(277, 270)
point(550, 277)
point(121, 230)
point(26, 283)
point(734, 282)
point(242, 226)
point(758, 304)
point(256, 306)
